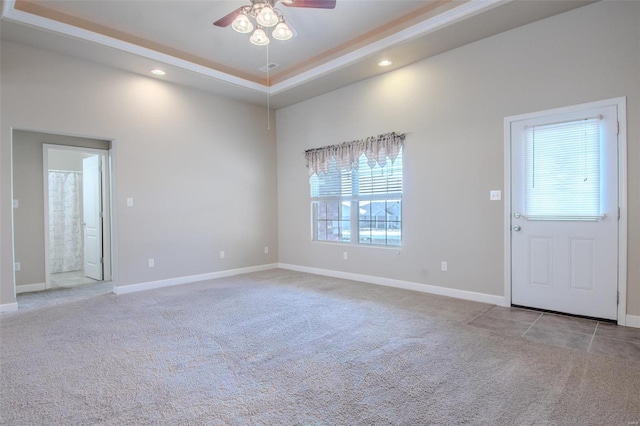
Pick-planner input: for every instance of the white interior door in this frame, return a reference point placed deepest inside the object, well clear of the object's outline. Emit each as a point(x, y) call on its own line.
point(564, 207)
point(91, 213)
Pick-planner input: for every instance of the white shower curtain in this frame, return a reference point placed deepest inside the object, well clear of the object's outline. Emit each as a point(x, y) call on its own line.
point(65, 221)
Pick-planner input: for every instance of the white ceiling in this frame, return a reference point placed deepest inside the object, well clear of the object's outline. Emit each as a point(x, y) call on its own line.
point(333, 48)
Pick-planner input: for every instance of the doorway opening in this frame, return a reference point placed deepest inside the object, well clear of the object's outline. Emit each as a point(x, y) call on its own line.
point(62, 211)
point(76, 216)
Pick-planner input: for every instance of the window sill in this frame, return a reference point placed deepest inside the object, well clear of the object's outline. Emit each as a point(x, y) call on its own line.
point(368, 246)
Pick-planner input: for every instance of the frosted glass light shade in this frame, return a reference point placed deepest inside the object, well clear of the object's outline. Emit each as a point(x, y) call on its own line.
point(242, 24)
point(259, 38)
point(282, 32)
point(267, 17)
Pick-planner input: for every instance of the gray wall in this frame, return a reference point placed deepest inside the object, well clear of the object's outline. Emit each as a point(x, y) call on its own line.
point(28, 183)
point(201, 169)
point(452, 108)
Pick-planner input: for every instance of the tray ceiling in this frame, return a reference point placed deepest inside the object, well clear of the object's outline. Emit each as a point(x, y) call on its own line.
point(333, 47)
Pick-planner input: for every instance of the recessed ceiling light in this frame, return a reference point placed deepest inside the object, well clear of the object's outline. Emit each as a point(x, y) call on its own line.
point(158, 72)
point(385, 63)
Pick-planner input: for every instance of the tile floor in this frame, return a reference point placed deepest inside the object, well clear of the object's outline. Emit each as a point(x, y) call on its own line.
point(575, 333)
point(70, 279)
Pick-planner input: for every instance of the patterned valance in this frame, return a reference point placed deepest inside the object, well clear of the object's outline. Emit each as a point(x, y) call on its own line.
point(377, 149)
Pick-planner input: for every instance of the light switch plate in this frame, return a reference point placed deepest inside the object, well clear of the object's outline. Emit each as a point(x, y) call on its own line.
point(495, 195)
point(129, 202)
point(16, 204)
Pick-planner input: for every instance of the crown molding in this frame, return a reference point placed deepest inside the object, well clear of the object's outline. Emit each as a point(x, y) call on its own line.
point(449, 17)
point(430, 25)
point(13, 14)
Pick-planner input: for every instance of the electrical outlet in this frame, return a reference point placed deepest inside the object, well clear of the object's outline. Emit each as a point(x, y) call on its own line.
point(266, 250)
point(345, 256)
point(495, 195)
point(152, 263)
point(17, 266)
point(222, 255)
point(443, 265)
point(16, 204)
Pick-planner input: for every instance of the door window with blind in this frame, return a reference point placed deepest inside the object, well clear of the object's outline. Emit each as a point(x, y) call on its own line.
point(562, 171)
point(358, 200)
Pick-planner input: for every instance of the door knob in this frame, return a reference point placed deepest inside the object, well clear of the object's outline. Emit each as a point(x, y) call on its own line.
point(516, 228)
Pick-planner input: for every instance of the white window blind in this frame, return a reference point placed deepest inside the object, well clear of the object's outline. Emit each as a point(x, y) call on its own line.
point(334, 183)
point(562, 170)
point(364, 180)
point(380, 180)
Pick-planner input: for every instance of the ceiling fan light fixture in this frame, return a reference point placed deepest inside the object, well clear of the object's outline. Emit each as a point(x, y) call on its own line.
point(259, 37)
point(267, 17)
point(263, 14)
point(282, 31)
point(242, 24)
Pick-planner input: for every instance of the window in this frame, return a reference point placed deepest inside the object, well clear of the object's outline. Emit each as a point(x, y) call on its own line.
point(562, 170)
point(361, 204)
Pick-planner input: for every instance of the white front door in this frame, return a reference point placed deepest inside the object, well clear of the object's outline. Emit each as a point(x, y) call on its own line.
point(92, 216)
point(564, 212)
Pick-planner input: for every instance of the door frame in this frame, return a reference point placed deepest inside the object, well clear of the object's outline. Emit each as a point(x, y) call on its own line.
point(621, 104)
point(106, 183)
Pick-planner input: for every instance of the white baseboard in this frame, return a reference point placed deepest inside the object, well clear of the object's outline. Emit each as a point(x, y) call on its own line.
point(131, 288)
point(9, 307)
point(633, 321)
point(26, 288)
point(407, 285)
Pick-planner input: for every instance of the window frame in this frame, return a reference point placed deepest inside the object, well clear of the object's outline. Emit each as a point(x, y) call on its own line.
point(354, 200)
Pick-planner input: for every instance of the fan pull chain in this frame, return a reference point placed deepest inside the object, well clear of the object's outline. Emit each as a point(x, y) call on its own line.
point(268, 92)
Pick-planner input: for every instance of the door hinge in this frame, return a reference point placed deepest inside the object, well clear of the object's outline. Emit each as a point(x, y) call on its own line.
point(618, 298)
point(102, 260)
point(618, 131)
point(618, 213)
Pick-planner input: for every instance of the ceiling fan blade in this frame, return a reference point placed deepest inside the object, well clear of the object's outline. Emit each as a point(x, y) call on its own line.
point(225, 21)
point(316, 4)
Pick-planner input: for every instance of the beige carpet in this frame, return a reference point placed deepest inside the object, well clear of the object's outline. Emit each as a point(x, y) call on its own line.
point(286, 348)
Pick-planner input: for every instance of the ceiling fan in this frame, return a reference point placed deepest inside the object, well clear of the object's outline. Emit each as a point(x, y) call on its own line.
point(267, 15)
